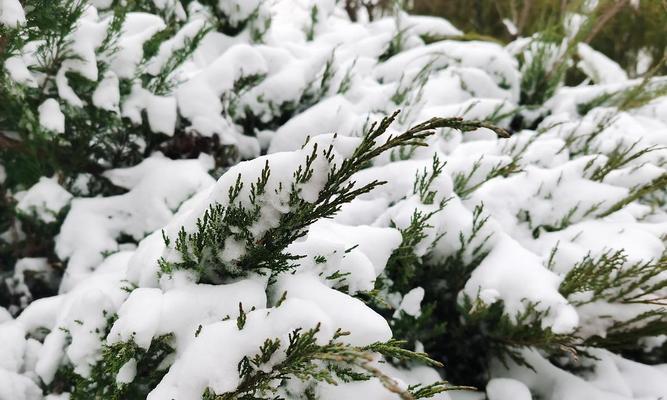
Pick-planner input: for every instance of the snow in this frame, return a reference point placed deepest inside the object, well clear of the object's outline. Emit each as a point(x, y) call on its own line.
point(88, 35)
point(543, 218)
point(11, 13)
point(346, 250)
point(178, 41)
point(12, 348)
point(161, 112)
point(19, 72)
point(511, 27)
point(44, 199)
point(238, 61)
point(344, 312)
point(157, 186)
point(614, 378)
point(18, 387)
point(274, 201)
point(596, 238)
point(378, 249)
point(374, 389)
point(599, 67)
point(80, 312)
point(50, 116)
point(239, 10)
point(486, 56)
point(331, 115)
point(507, 389)
point(127, 372)
point(212, 359)
point(149, 313)
point(4, 315)
point(431, 26)
point(107, 94)
point(411, 303)
point(502, 274)
point(137, 29)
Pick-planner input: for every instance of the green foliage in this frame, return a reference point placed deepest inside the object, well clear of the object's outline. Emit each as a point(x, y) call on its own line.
point(547, 58)
point(464, 184)
point(310, 32)
point(264, 253)
point(257, 23)
point(168, 13)
point(539, 81)
point(51, 22)
point(102, 385)
point(637, 193)
point(624, 336)
point(551, 54)
point(316, 90)
point(397, 42)
point(443, 325)
point(94, 139)
point(622, 38)
point(618, 157)
point(506, 335)
point(401, 266)
point(346, 82)
point(466, 333)
point(163, 83)
point(231, 99)
point(634, 96)
point(304, 359)
point(36, 239)
point(424, 181)
point(409, 94)
point(611, 278)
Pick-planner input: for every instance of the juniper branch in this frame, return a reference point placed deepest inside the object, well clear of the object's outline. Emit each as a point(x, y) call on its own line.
point(306, 360)
point(265, 254)
point(657, 184)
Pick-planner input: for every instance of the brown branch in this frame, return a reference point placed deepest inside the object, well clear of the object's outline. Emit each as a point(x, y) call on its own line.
point(8, 143)
point(523, 18)
point(606, 16)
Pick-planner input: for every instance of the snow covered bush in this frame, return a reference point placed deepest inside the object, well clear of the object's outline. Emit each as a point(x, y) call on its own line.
point(218, 200)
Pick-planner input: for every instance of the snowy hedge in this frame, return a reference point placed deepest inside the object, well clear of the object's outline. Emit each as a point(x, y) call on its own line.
point(219, 200)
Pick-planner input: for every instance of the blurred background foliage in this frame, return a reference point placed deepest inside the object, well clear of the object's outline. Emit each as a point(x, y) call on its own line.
point(627, 31)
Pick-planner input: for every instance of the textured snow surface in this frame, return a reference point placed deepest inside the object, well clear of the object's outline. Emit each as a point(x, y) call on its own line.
point(471, 79)
point(45, 199)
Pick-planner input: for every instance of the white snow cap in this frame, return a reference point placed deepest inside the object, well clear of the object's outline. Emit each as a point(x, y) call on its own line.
point(411, 303)
point(50, 116)
point(45, 198)
point(107, 93)
point(515, 275)
point(11, 13)
point(507, 389)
